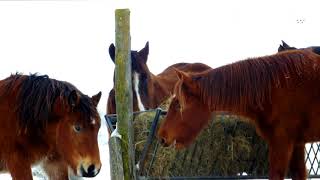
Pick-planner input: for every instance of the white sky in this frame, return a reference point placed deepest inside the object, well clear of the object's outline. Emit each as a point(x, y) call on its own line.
point(69, 39)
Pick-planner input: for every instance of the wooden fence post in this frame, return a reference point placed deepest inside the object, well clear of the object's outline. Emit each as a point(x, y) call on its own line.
point(121, 140)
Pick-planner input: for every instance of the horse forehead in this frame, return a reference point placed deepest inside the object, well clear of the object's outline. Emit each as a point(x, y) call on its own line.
point(93, 121)
point(134, 55)
point(137, 63)
point(85, 117)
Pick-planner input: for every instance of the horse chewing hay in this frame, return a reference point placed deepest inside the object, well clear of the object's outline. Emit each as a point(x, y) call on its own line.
point(279, 94)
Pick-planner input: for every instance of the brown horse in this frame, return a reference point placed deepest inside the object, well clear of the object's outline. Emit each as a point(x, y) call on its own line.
point(284, 47)
point(279, 94)
point(150, 90)
point(47, 121)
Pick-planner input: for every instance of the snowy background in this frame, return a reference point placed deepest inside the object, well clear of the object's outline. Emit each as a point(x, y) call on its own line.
point(69, 39)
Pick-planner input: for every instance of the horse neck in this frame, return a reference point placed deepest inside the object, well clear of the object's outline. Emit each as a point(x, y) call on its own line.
point(162, 87)
point(51, 133)
point(218, 96)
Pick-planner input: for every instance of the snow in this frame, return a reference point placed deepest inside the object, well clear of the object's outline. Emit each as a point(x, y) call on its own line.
point(104, 174)
point(115, 133)
point(35, 38)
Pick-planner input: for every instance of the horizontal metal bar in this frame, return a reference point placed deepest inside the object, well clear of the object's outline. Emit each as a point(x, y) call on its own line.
point(212, 177)
point(203, 177)
point(163, 112)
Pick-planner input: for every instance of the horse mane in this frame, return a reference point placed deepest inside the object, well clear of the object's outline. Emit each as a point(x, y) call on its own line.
point(316, 49)
point(36, 96)
point(250, 82)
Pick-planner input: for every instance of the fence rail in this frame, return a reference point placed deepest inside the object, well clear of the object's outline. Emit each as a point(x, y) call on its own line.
point(312, 152)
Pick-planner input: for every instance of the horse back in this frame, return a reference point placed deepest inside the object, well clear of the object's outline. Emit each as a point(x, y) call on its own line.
point(163, 83)
point(170, 77)
point(186, 67)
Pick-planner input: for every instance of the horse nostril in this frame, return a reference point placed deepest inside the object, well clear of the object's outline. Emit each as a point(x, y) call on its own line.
point(91, 169)
point(90, 172)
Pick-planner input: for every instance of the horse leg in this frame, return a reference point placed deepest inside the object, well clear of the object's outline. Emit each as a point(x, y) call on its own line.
point(297, 164)
point(55, 169)
point(279, 156)
point(3, 167)
point(19, 167)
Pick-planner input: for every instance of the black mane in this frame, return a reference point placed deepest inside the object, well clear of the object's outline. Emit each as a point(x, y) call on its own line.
point(36, 97)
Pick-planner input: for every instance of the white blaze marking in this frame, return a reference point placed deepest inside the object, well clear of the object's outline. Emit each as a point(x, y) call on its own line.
point(136, 89)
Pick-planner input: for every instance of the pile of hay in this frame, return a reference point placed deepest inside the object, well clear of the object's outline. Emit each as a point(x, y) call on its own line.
point(227, 147)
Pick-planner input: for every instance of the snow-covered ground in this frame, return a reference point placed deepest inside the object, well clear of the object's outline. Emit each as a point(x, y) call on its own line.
point(104, 174)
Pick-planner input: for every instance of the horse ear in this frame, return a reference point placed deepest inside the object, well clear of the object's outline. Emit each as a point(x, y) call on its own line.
point(181, 75)
point(73, 98)
point(144, 52)
point(112, 52)
point(185, 77)
point(286, 46)
point(96, 98)
point(281, 48)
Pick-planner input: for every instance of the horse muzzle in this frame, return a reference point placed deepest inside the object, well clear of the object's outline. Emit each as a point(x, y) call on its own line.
point(89, 171)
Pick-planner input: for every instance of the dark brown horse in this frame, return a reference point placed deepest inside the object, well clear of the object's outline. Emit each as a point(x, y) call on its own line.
point(47, 121)
point(150, 90)
point(279, 94)
point(284, 47)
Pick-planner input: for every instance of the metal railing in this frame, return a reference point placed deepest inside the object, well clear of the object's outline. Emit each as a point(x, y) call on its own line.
point(312, 152)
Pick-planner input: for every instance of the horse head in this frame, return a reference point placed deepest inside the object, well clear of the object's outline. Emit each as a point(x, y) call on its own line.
point(140, 75)
point(187, 114)
point(77, 131)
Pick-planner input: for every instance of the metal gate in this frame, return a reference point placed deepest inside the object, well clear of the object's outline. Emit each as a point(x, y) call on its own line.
point(311, 151)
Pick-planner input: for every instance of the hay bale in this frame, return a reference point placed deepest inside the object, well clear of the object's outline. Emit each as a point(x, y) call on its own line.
point(227, 147)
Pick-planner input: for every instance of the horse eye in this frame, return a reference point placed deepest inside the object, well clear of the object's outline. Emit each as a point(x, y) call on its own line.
point(77, 128)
